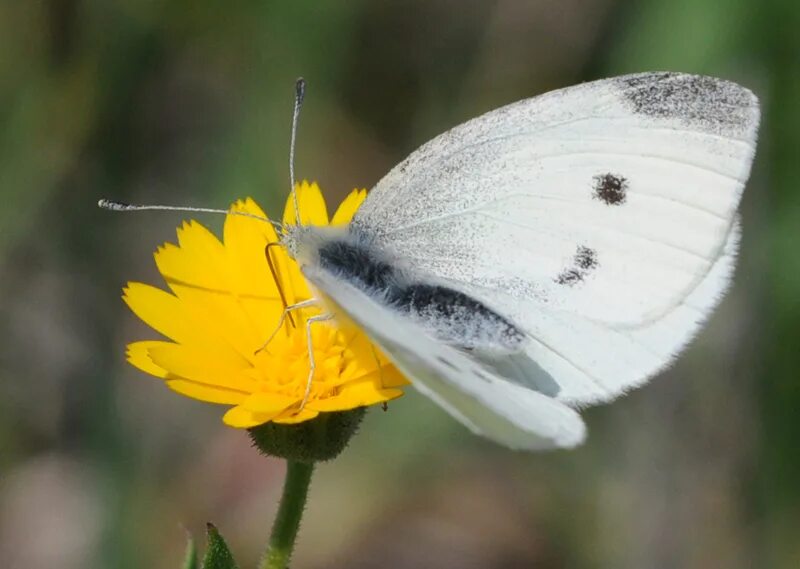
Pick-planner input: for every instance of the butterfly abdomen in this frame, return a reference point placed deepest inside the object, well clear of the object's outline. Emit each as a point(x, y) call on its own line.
point(459, 319)
point(357, 264)
point(451, 316)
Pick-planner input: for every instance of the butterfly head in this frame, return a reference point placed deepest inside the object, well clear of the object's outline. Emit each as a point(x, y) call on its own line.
point(303, 242)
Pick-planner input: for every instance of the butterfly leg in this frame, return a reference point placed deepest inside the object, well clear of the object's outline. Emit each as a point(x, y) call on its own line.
point(312, 366)
point(282, 320)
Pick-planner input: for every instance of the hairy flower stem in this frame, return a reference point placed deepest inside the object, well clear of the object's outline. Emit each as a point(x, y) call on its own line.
point(290, 511)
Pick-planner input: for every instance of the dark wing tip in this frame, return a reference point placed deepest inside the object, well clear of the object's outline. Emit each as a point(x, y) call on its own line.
point(705, 103)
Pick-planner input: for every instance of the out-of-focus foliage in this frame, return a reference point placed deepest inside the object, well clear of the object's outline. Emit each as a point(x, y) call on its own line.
point(189, 102)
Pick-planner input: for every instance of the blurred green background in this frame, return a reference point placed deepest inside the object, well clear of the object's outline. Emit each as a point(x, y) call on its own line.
point(189, 102)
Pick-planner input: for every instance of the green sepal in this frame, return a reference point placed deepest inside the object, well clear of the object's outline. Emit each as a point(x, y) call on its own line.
point(190, 558)
point(319, 439)
point(218, 556)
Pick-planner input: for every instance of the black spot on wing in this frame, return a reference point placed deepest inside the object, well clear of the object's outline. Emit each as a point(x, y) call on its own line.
point(585, 258)
point(704, 102)
point(583, 263)
point(569, 277)
point(611, 189)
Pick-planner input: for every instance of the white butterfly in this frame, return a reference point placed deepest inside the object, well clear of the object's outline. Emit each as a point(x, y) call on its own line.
point(547, 255)
point(550, 254)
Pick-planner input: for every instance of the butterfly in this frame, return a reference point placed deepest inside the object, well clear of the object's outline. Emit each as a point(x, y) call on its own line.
point(548, 255)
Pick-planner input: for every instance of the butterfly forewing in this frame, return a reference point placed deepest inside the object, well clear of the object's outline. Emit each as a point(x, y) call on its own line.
point(590, 216)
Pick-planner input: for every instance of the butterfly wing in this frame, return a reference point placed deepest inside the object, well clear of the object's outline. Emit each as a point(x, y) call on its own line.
point(600, 218)
point(487, 404)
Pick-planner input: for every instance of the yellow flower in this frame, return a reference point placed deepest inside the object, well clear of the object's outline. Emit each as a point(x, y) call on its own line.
point(225, 304)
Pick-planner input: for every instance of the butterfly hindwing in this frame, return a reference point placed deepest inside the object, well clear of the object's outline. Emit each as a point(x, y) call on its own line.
point(486, 403)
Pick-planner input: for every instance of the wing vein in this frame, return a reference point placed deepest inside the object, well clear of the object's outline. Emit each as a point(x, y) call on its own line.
point(431, 167)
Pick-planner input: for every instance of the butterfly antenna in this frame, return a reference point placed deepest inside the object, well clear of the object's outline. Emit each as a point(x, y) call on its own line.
point(120, 206)
point(299, 95)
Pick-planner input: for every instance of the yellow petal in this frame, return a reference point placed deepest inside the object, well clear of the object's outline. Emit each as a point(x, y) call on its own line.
point(179, 266)
point(245, 241)
point(199, 260)
point(174, 318)
point(226, 319)
point(390, 377)
point(137, 356)
point(361, 395)
point(269, 403)
point(254, 284)
point(371, 360)
point(347, 209)
point(195, 365)
point(158, 309)
point(207, 393)
point(358, 343)
point(313, 210)
point(241, 418)
point(218, 289)
point(290, 417)
point(296, 286)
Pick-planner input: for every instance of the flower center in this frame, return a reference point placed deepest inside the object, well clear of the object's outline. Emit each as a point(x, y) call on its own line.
point(283, 366)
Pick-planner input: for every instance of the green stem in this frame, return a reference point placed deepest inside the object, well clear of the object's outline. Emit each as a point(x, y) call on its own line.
point(290, 511)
